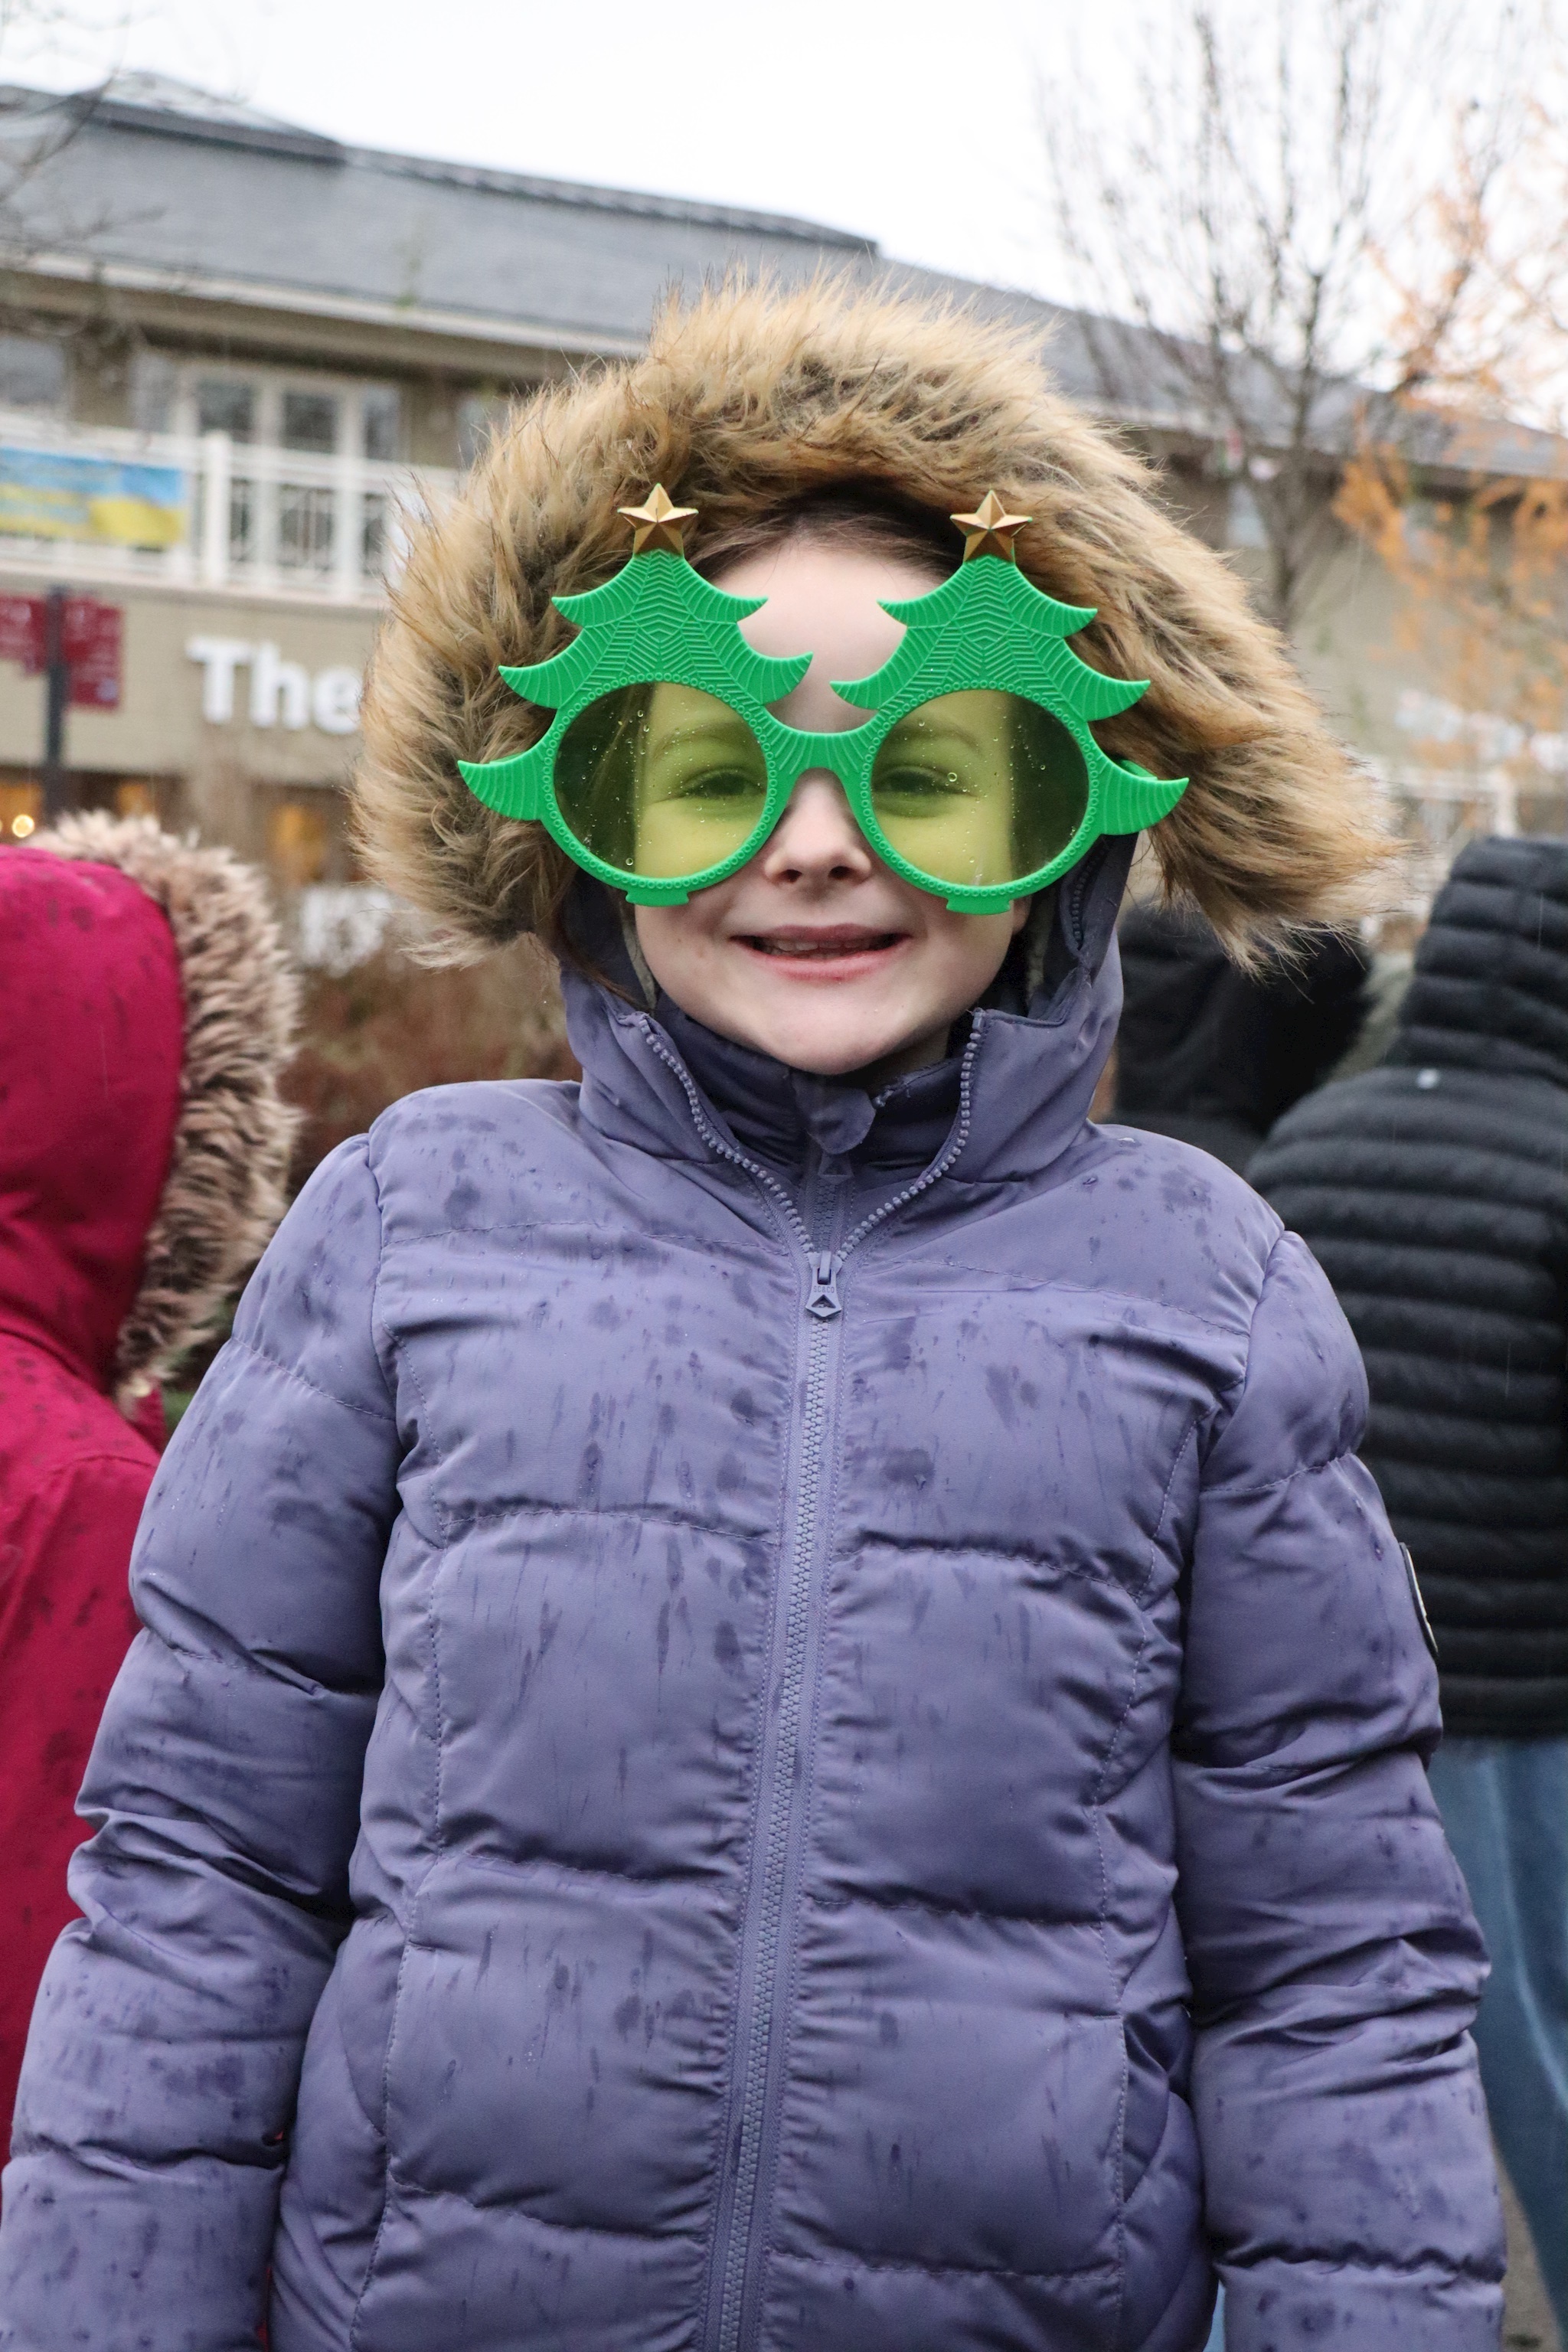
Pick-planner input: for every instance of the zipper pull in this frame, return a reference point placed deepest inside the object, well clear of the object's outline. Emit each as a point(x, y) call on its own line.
point(824, 1302)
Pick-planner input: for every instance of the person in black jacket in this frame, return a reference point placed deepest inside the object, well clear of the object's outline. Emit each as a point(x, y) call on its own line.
point(1434, 1189)
point(1213, 1055)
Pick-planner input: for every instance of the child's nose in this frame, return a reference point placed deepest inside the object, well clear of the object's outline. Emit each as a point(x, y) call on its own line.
point(817, 839)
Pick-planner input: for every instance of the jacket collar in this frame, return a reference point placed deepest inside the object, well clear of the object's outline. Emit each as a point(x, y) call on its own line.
point(777, 1113)
point(1020, 1092)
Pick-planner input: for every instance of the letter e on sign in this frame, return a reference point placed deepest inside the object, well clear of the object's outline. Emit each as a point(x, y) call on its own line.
point(334, 700)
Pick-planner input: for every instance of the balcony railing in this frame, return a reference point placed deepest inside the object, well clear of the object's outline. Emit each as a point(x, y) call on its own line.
point(236, 518)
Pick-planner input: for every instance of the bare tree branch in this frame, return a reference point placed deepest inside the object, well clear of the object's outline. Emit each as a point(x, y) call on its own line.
point(36, 125)
point(1275, 158)
point(1481, 357)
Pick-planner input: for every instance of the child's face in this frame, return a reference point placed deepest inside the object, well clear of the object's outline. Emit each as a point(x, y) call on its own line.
point(816, 951)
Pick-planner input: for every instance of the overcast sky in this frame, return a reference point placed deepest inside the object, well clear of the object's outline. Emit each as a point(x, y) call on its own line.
point(914, 122)
point(921, 123)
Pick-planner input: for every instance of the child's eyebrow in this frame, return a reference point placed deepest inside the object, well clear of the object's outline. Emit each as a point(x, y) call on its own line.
point(701, 731)
point(952, 731)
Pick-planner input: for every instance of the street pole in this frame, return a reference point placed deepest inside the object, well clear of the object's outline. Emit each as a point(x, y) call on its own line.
point(57, 676)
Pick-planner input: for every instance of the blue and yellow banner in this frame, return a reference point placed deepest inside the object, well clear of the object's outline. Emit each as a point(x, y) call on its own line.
point(46, 495)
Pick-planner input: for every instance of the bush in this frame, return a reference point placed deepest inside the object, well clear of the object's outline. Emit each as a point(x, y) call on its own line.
point(390, 1026)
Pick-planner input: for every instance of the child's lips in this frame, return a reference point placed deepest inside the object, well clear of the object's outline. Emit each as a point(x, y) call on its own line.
point(836, 952)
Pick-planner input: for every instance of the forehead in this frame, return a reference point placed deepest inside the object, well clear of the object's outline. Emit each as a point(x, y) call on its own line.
point(820, 595)
point(673, 709)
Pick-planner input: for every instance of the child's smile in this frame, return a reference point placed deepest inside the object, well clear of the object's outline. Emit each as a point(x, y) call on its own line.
point(829, 952)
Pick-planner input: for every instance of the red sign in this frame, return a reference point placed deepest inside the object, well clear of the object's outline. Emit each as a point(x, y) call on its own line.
point(91, 636)
point(90, 639)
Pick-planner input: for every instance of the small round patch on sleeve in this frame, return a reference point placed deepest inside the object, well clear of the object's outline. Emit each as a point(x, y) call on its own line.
point(1424, 1621)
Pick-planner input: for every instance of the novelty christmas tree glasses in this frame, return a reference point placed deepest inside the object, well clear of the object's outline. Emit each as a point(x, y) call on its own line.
point(975, 777)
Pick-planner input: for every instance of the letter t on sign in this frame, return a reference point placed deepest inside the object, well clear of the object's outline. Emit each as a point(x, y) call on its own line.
point(219, 657)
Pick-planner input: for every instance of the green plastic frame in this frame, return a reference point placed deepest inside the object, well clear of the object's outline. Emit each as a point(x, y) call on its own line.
point(658, 622)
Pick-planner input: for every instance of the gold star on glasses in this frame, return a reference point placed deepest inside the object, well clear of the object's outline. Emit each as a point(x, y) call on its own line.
point(658, 523)
point(990, 530)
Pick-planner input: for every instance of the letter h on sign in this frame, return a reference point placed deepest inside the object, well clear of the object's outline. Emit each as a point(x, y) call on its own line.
point(278, 689)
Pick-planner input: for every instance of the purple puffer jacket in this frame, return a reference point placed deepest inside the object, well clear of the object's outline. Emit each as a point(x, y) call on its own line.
point(823, 1760)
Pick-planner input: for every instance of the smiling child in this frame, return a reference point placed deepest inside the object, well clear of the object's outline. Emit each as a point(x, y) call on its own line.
point(774, 1715)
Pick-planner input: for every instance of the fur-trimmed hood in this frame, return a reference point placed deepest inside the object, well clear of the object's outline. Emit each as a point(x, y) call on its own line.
point(225, 1156)
point(750, 399)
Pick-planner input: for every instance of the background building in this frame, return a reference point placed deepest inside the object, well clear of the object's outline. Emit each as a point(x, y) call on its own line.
point(231, 351)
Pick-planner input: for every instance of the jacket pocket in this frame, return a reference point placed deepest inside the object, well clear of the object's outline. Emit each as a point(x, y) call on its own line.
point(335, 2185)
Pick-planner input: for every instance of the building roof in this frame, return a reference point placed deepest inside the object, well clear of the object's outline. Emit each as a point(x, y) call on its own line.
point(159, 186)
point(155, 187)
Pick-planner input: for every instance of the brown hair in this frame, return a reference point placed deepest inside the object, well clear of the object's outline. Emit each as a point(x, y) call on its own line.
point(834, 408)
point(852, 516)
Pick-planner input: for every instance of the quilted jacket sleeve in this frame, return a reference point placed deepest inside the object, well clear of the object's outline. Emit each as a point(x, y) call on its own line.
point(1335, 1963)
point(162, 2067)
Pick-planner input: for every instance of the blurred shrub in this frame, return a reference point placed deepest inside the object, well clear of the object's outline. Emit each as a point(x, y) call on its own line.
point(389, 1026)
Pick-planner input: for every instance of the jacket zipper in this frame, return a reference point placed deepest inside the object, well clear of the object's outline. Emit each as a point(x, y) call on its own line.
point(757, 2015)
point(744, 2148)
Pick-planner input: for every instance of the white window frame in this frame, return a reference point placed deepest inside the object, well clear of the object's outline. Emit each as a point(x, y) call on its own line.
point(372, 501)
point(271, 471)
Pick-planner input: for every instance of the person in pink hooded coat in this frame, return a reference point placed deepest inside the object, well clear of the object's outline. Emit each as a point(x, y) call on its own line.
point(146, 1013)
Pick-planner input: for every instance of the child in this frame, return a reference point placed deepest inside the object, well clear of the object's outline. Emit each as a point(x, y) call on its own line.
point(774, 1711)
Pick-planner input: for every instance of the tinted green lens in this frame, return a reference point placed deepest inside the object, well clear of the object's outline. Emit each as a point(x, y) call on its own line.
point(978, 790)
point(660, 781)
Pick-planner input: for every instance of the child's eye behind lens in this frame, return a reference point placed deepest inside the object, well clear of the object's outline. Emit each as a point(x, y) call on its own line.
point(920, 790)
point(715, 784)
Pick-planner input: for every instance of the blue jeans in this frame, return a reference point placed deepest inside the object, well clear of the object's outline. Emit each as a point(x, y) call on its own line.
point(1505, 1807)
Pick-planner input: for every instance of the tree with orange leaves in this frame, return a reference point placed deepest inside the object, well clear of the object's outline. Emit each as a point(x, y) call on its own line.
point(1460, 482)
point(1244, 221)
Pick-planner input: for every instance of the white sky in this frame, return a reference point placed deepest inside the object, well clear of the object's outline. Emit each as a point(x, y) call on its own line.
point(910, 120)
point(918, 122)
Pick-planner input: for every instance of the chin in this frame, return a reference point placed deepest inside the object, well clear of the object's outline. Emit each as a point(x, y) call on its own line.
point(833, 1055)
point(831, 1066)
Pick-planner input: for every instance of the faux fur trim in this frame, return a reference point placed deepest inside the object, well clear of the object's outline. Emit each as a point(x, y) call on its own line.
point(223, 1192)
point(751, 396)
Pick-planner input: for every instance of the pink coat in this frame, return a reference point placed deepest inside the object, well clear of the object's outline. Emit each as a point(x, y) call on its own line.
point(145, 1013)
point(89, 1095)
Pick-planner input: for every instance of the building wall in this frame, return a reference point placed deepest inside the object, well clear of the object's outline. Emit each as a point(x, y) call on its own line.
point(238, 710)
point(1380, 665)
point(1445, 769)
point(161, 729)
point(274, 792)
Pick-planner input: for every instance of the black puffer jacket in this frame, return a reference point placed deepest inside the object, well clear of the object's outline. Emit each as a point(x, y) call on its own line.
point(1435, 1192)
point(1213, 1056)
